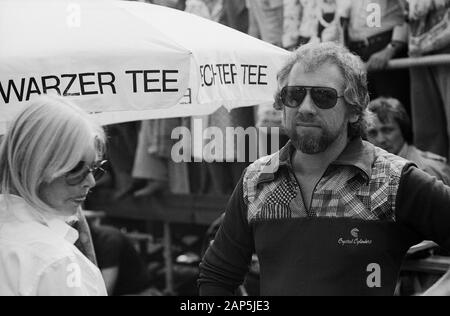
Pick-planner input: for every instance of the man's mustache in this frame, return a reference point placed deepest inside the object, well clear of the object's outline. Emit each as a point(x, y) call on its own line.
point(307, 119)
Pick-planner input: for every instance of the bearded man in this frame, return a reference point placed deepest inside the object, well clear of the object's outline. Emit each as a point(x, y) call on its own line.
point(329, 214)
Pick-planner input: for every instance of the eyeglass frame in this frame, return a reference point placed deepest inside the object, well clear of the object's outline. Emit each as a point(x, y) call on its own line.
point(308, 91)
point(91, 169)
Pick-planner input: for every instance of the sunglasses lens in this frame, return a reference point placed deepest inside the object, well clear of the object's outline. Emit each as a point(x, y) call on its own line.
point(75, 179)
point(78, 168)
point(324, 98)
point(98, 173)
point(293, 96)
point(79, 173)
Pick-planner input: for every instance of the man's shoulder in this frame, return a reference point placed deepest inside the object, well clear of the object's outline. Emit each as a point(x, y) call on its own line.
point(432, 164)
point(264, 165)
point(383, 155)
point(385, 160)
point(430, 156)
point(264, 161)
point(425, 159)
point(262, 170)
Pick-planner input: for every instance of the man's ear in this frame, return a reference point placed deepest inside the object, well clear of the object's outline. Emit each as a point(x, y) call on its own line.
point(278, 105)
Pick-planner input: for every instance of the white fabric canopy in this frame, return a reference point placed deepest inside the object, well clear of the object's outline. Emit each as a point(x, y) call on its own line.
point(129, 61)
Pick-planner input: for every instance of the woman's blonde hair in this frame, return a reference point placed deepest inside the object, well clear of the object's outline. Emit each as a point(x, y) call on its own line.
point(45, 141)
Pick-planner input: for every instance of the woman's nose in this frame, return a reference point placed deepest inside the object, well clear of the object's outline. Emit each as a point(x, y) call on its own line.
point(89, 182)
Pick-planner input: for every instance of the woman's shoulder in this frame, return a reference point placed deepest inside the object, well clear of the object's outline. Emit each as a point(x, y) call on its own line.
point(38, 256)
point(33, 241)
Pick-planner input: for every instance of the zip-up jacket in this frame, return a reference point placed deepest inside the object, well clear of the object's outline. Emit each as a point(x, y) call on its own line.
point(366, 211)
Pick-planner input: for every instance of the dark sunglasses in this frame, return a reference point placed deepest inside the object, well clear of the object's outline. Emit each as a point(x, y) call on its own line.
point(78, 174)
point(323, 97)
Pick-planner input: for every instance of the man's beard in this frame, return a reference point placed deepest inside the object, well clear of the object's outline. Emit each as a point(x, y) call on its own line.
point(313, 142)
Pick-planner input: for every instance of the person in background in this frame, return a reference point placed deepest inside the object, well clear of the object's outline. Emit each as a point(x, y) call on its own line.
point(153, 156)
point(327, 196)
point(223, 175)
point(153, 164)
point(49, 161)
point(121, 149)
point(429, 34)
point(236, 15)
point(266, 20)
point(122, 267)
point(310, 20)
point(153, 171)
point(121, 152)
point(376, 31)
point(389, 128)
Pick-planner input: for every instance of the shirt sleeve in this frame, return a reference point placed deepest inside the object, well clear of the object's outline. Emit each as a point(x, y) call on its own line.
point(423, 205)
point(227, 260)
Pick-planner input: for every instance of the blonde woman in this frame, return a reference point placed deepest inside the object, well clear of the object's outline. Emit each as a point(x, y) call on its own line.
point(48, 160)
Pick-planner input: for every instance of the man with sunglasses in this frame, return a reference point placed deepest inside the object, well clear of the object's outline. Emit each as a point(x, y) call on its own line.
point(329, 214)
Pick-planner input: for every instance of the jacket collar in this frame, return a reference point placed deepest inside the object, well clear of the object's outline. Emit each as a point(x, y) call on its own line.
point(358, 154)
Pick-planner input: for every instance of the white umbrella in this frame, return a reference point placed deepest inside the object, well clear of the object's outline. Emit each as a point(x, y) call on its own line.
point(129, 61)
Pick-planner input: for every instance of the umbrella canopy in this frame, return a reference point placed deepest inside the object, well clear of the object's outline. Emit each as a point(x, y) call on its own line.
point(129, 61)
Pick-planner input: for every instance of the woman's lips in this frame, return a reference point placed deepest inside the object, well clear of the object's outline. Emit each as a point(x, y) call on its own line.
point(79, 200)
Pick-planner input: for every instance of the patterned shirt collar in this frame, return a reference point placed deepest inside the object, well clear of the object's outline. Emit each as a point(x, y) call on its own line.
point(358, 153)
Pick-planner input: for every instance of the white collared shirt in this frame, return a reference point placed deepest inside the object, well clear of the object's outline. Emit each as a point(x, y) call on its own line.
point(38, 257)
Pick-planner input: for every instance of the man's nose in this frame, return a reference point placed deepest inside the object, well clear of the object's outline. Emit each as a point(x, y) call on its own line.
point(308, 105)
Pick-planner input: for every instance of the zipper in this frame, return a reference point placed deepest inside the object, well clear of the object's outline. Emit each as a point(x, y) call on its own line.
point(308, 209)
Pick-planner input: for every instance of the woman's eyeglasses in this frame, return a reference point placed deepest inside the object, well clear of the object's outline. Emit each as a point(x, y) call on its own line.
point(78, 174)
point(323, 97)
